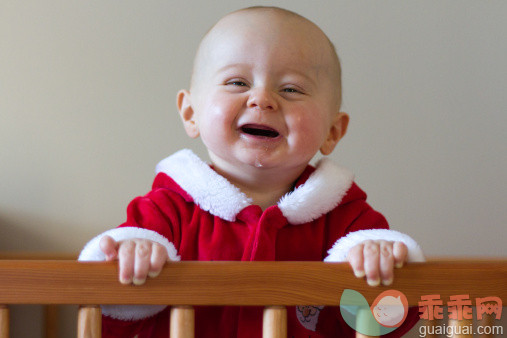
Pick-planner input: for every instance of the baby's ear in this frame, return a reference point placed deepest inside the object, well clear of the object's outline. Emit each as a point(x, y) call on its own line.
point(337, 130)
point(187, 113)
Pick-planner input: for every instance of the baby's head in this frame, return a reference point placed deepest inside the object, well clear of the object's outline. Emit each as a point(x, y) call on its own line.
point(265, 91)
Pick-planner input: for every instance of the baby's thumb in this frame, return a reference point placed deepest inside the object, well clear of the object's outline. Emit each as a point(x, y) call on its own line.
point(109, 247)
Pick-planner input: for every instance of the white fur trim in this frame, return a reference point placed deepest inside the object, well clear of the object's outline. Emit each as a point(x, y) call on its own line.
point(339, 251)
point(92, 252)
point(212, 192)
point(131, 312)
point(321, 193)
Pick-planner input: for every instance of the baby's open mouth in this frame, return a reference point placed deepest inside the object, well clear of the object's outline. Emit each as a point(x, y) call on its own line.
point(259, 130)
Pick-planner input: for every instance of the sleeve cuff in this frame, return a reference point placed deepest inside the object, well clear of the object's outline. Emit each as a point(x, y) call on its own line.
point(92, 252)
point(339, 251)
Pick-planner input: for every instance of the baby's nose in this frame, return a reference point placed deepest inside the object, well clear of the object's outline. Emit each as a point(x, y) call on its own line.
point(263, 99)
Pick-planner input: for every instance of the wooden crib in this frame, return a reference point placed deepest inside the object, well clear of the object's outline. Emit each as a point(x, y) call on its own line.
point(270, 284)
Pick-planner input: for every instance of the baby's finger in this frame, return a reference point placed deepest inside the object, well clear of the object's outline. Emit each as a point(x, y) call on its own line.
point(386, 262)
point(142, 262)
point(356, 260)
point(109, 247)
point(400, 253)
point(371, 263)
point(126, 257)
point(158, 258)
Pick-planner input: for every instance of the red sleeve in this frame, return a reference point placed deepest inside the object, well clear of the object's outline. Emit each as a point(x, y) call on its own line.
point(163, 210)
point(144, 212)
point(353, 214)
point(365, 216)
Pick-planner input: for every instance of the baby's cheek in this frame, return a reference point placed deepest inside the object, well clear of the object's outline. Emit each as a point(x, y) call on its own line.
point(308, 134)
point(215, 132)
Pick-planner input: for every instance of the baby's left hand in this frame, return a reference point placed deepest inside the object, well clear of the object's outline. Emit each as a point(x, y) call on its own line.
point(376, 260)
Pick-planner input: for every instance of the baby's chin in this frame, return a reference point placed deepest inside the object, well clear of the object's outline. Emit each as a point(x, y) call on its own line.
point(271, 163)
point(253, 160)
point(241, 162)
point(258, 159)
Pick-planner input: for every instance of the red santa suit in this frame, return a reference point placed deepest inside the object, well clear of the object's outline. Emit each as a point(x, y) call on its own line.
point(198, 215)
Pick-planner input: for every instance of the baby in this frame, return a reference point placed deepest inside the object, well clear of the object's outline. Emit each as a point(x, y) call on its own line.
point(264, 98)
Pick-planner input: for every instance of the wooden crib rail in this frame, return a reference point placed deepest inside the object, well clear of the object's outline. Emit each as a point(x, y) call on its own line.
point(276, 284)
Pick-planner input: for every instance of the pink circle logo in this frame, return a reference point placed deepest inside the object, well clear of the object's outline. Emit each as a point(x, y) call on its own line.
point(390, 308)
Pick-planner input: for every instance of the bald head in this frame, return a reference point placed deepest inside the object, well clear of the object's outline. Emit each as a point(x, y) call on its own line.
point(274, 25)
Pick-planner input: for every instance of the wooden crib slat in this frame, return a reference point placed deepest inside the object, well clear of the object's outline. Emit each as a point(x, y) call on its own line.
point(430, 323)
point(360, 335)
point(487, 321)
point(460, 327)
point(182, 322)
point(51, 321)
point(4, 321)
point(274, 322)
point(361, 316)
point(230, 283)
point(89, 322)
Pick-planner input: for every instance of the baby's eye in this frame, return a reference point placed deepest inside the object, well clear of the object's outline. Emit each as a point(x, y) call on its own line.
point(237, 83)
point(292, 90)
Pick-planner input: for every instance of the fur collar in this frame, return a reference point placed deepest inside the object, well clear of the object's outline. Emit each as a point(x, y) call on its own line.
point(322, 192)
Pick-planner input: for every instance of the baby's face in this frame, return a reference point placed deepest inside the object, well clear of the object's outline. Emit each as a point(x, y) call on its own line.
point(264, 92)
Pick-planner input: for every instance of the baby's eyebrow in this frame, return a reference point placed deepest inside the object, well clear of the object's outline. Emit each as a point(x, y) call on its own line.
point(231, 66)
point(309, 79)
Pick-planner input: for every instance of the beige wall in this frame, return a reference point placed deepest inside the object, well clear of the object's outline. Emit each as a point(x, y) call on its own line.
point(87, 109)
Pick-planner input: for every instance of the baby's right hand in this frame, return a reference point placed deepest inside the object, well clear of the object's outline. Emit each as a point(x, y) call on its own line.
point(138, 258)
